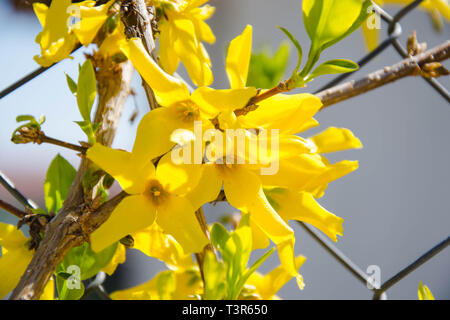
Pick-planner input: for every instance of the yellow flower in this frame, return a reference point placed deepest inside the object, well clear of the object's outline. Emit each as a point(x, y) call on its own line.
point(15, 257)
point(436, 9)
point(182, 28)
point(55, 39)
point(91, 18)
point(424, 293)
point(265, 287)
point(155, 195)
point(179, 107)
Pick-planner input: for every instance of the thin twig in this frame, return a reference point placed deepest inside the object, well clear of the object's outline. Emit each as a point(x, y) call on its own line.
point(409, 67)
point(11, 209)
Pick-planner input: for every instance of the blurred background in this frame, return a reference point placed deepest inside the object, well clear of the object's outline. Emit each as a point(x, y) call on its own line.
point(395, 206)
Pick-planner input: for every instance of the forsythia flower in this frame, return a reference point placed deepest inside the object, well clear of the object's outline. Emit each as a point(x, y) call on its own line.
point(15, 257)
point(182, 28)
point(55, 39)
point(436, 9)
point(424, 293)
point(155, 195)
point(58, 38)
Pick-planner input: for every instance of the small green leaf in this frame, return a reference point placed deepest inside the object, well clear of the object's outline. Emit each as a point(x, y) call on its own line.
point(72, 84)
point(89, 262)
point(219, 235)
point(59, 178)
point(26, 117)
point(87, 90)
point(251, 270)
point(334, 66)
point(214, 274)
point(89, 129)
point(68, 286)
point(299, 51)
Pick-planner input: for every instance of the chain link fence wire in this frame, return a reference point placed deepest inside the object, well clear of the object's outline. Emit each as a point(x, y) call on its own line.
point(95, 285)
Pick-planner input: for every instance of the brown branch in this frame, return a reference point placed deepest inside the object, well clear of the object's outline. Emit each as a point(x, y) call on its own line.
point(11, 209)
point(79, 216)
point(413, 66)
point(138, 22)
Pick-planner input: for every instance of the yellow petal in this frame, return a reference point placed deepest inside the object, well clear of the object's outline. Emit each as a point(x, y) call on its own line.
point(189, 49)
point(238, 58)
point(212, 101)
point(290, 114)
point(11, 237)
point(177, 218)
point(49, 290)
point(371, 35)
point(167, 57)
point(335, 139)
point(168, 90)
point(259, 239)
point(153, 134)
point(40, 10)
point(243, 190)
point(178, 178)
point(131, 175)
point(333, 172)
point(132, 214)
point(208, 187)
point(157, 244)
point(302, 206)
point(296, 172)
point(118, 258)
point(443, 7)
point(268, 285)
point(424, 293)
point(12, 265)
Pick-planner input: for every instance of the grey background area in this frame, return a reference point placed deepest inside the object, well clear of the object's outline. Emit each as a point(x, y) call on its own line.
point(395, 205)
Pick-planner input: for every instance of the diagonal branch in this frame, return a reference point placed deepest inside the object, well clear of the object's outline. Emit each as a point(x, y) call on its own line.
point(79, 215)
point(412, 66)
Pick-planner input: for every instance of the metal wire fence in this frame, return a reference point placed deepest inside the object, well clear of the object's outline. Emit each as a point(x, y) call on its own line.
point(379, 290)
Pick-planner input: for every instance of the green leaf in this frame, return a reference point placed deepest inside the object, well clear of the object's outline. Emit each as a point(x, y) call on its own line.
point(251, 270)
point(329, 21)
point(89, 262)
point(267, 69)
point(214, 273)
point(72, 84)
point(68, 292)
point(59, 178)
point(219, 235)
point(334, 66)
point(87, 90)
point(299, 51)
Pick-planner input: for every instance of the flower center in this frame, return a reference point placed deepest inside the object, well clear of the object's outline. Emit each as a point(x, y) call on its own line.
point(155, 192)
point(187, 111)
